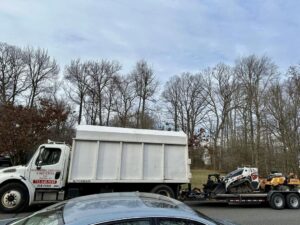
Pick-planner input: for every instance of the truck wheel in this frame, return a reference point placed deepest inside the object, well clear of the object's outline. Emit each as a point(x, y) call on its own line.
point(163, 190)
point(277, 201)
point(13, 197)
point(293, 201)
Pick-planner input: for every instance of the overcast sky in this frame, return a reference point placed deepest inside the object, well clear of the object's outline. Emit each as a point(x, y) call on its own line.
point(172, 35)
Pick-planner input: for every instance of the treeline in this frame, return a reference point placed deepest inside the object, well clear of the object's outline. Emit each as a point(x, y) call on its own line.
point(106, 97)
point(249, 110)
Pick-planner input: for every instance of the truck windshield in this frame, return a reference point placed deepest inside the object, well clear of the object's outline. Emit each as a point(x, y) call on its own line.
point(31, 156)
point(49, 216)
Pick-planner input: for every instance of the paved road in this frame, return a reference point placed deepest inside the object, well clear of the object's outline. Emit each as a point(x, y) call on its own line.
point(250, 215)
point(245, 215)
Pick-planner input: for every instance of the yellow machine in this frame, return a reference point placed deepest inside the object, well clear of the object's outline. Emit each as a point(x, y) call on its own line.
point(277, 181)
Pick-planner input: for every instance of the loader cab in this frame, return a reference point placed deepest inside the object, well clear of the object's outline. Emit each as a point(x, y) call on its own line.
point(48, 167)
point(213, 180)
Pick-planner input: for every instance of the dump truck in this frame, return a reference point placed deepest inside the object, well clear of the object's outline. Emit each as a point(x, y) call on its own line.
point(101, 159)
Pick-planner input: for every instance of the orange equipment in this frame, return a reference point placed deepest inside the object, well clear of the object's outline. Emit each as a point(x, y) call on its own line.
point(277, 181)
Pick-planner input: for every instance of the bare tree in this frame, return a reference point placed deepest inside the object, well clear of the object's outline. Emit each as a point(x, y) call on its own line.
point(283, 104)
point(124, 100)
point(109, 96)
point(171, 96)
point(145, 85)
point(279, 120)
point(77, 77)
point(186, 94)
point(91, 108)
point(12, 77)
point(220, 86)
point(100, 75)
point(41, 70)
point(255, 74)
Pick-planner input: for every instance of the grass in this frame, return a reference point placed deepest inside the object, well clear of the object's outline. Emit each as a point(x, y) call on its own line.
point(199, 177)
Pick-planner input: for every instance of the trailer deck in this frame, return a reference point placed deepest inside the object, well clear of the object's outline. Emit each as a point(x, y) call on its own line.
point(275, 198)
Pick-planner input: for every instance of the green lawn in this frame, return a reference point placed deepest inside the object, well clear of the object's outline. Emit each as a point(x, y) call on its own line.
point(199, 177)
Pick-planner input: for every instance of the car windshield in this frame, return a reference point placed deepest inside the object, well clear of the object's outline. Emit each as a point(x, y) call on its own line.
point(50, 216)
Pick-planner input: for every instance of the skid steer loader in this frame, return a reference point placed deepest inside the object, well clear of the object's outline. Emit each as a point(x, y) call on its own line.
point(242, 180)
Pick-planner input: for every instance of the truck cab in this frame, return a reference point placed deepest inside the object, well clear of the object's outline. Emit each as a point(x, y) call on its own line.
point(41, 180)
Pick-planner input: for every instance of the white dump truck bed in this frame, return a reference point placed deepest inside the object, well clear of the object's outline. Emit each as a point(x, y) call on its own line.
point(115, 155)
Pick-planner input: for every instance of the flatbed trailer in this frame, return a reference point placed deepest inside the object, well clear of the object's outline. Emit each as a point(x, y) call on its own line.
point(275, 198)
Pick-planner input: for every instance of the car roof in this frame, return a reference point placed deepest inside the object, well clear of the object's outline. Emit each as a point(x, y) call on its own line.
point(108, 207)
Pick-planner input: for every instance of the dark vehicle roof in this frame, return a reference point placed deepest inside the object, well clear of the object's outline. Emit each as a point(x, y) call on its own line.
point(117, 206)
point(101, 208)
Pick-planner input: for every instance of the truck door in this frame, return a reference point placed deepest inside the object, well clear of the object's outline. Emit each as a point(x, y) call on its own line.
point(47, 170)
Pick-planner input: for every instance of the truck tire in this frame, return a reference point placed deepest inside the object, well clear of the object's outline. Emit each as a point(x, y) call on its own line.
point(277, 201)
point(293, 201)
point(163, 190)
point(13, 197)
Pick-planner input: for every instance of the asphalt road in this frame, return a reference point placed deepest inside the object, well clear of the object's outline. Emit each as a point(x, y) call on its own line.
point(249, 215)
point(244, 215)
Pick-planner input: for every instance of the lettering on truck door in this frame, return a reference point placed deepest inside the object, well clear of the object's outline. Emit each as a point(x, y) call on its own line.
point(47, 170)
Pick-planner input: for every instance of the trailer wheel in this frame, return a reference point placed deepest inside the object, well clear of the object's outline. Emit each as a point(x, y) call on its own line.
point(163, 190)
point(277, 201)
point(293, 201)
point(13, 197)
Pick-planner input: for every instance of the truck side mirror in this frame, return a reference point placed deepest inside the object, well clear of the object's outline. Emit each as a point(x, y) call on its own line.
point(39, 162)
point(39, 165)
